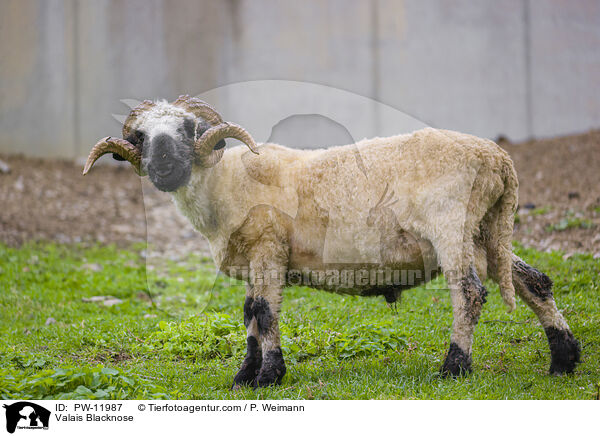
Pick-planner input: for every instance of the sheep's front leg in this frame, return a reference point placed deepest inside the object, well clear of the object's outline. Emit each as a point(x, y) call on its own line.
point(253, 361)
point(468, 296)
point(261, 313)
point(266, 312)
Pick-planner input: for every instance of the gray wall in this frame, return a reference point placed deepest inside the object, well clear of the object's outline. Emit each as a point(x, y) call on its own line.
point(520, 68)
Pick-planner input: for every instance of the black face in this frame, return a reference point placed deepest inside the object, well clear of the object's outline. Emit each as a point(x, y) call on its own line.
point(168, 161)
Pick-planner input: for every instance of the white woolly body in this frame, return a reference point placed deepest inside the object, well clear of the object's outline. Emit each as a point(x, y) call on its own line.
point(315, 203)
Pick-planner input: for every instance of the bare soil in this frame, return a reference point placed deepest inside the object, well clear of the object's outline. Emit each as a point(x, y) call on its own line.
point(50, 200)
point(560, 178)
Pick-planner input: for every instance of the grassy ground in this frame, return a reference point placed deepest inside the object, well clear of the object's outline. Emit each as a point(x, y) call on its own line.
point(173, 335)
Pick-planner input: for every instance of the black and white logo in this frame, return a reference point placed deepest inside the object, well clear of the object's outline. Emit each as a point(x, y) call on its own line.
point(26, 415)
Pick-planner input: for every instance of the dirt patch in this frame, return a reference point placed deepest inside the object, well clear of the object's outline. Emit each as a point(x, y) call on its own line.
point(559, 192)
point(50, 200)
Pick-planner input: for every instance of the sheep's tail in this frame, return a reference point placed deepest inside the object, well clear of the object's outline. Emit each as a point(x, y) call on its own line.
point(501, 241)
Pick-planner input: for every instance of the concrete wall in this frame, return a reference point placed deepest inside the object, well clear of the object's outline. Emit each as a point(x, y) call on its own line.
point(521, 68)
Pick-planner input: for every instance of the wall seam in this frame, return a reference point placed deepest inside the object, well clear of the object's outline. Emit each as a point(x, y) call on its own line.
point(76, 84)
point(528, 76)
point(375, 65)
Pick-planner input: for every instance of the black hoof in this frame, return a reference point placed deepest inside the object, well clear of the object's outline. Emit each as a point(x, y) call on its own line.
point(272, 370)
point(247, 374)
point(457, 362)
point(564, 349)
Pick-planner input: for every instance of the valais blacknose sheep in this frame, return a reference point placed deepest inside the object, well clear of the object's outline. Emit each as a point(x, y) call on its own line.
point(276, 216)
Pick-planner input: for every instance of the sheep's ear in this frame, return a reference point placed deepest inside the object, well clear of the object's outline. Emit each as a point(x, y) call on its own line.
point(189, 128)
point(201, 127)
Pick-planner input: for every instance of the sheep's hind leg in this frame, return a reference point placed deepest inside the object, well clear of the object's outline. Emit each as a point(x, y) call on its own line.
point(468, 296)
point(535, 288)
point(253, 361)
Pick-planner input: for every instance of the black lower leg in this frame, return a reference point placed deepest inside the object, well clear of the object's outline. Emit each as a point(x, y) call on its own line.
point(564, 349)
point(251, 365)
point(535, 288)
point(458, 362)
point(273, 368)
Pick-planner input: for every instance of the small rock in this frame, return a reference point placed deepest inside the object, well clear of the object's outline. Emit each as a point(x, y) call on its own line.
point(4, 168)
point(93, 299)
point(19, 185)
point(50, 320)
point(112, 302)
point(92, 266)
point(98, 298)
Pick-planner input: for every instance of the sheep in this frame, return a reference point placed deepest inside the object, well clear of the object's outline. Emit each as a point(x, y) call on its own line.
point(276, 216)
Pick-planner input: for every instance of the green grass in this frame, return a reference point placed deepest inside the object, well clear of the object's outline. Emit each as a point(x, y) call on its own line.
point(174, 335)
point(541, 210)
point(570, 221)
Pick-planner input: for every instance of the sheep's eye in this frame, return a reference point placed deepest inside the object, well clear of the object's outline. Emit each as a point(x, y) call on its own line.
point(136, 138)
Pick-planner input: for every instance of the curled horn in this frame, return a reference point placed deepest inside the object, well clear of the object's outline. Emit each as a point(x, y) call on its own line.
point(119, 146)
point(199, 108)
point(133, 116)
point(206, 143)
point(204, 146)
